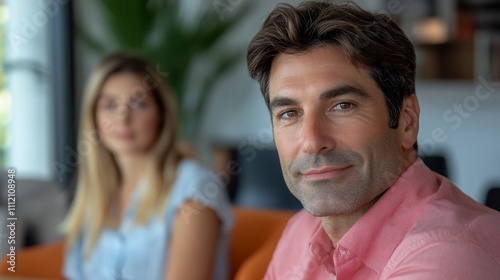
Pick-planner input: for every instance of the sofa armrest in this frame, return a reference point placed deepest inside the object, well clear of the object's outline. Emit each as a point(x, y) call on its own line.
point(253, 240)
point(43, 261)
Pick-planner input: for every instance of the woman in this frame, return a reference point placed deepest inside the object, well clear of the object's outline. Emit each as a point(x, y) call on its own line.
point(141, 211)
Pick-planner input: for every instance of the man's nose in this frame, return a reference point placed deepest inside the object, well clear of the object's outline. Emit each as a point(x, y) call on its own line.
point(317, 134)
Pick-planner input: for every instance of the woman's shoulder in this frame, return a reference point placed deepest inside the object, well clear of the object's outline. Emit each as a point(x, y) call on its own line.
point(190, 164)
point(198, 183)
point(193, 178)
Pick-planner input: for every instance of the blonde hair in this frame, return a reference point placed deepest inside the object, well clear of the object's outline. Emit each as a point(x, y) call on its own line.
point(98, 174)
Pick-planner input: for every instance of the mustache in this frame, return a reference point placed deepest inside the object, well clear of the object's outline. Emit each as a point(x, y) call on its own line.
point(328, 158)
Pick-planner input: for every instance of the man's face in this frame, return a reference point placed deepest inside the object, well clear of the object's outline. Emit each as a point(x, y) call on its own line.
point(331, 129)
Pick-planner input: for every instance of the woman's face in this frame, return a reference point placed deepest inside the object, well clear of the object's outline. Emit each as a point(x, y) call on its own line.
point(127, 115)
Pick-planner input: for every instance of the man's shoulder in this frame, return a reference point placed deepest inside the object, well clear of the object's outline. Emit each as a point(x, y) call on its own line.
point(456, 220)
point(458, 213)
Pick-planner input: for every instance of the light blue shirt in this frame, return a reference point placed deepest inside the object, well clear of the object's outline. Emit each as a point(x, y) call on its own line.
point(140, 252)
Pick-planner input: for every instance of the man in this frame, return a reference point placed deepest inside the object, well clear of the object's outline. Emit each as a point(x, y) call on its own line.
point(340, 86)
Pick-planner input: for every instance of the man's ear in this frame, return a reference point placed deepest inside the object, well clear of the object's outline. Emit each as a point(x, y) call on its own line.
point(409, 121)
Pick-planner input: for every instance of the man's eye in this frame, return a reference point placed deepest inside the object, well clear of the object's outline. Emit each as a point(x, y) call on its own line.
point(344, 106)
point(288, 115)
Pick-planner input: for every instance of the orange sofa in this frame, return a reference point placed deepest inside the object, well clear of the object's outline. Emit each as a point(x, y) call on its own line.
point(252, 243)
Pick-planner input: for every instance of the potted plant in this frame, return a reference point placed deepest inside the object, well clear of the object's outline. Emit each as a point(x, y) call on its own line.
point(160, 31)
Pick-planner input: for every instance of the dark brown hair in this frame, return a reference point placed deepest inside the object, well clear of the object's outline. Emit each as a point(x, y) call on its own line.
point(369, 40)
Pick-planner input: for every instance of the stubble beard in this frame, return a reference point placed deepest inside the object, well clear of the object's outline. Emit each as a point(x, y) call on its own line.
point(339, 195)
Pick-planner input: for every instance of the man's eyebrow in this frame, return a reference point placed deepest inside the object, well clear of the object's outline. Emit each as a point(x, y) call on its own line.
point(281, 102)
point(343, 90)
point(331, 93)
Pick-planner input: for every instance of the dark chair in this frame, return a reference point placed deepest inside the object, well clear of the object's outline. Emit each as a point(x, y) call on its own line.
point(436, 163)
point(260, 183)
point(493, 198)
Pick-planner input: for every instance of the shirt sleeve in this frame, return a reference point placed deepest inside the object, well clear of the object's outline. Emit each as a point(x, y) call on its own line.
point(197, 183)
point(447, 260)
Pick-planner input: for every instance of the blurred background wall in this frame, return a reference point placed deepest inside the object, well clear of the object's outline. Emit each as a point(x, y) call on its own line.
point(47, 58)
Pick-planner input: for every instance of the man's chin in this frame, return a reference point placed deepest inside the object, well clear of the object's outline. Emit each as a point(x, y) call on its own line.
point(314, 213)
point(319, 211)
point(325, 210)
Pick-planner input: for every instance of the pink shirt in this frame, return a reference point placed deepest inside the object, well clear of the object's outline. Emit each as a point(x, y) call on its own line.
point(423, 227)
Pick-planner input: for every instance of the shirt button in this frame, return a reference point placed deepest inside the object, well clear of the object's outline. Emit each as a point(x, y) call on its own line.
point(342, 252)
